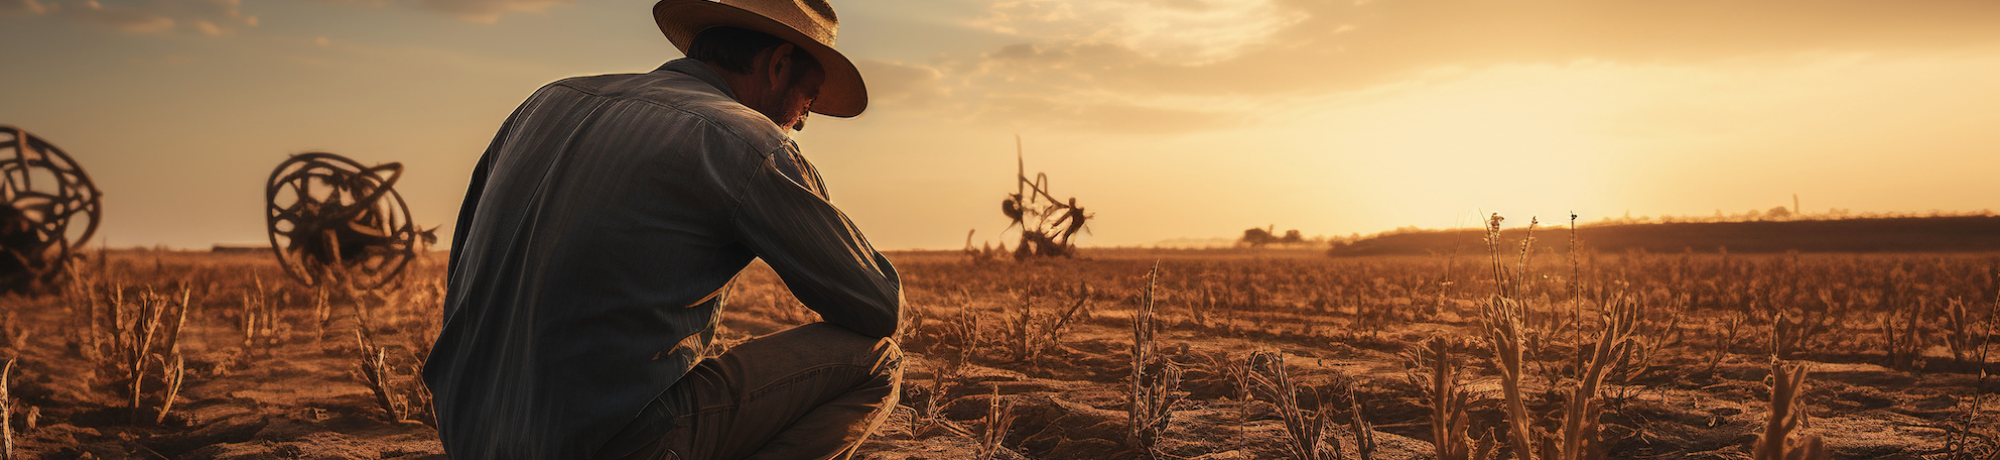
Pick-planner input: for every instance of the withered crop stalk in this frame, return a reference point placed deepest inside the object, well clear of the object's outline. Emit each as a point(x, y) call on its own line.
point(1787, 416)
point(1303, 428)
point(1447, 401)
point(999, 419)
point(1155, 379)
point(7, 413)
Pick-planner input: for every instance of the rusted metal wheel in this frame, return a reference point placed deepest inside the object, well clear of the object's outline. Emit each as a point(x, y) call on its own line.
point(333, 220)
point(50, 209)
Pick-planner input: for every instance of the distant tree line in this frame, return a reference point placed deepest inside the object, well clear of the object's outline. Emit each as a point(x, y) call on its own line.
point(1261, 237)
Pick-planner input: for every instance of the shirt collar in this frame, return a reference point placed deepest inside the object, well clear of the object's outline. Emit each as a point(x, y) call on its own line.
point(700, 71)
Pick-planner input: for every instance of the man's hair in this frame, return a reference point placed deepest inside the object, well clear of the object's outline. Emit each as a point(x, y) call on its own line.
point(735, 49)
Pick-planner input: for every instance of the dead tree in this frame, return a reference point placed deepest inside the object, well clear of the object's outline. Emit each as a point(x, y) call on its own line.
point(50, 209)
point(331, 219)
point(1048, 225)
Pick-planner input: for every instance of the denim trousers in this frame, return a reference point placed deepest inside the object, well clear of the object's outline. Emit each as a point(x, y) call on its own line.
point(811, 392)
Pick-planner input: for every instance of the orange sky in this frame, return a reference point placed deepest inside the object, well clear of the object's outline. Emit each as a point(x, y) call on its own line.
point(1168, 118)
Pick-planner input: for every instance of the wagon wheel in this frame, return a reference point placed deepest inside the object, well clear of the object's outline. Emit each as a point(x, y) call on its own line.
point(332, 219)
point(50, 208)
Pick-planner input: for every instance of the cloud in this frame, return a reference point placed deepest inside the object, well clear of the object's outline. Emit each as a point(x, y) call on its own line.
point(21, 8)
point(899, 85)
point(207, 17)
point(1104, 62)
point(1198, 31)
point(128, 20)
point(487, 11)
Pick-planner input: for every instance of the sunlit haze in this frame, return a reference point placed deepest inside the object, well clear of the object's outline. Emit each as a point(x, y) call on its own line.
point(1167, 118)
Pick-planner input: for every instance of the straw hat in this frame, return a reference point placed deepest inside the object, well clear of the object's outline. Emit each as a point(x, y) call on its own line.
point(808, 24)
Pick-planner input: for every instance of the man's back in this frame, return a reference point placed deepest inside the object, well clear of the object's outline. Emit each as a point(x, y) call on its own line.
point(594, 246)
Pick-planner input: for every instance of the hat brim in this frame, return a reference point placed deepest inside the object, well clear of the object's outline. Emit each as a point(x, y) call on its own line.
point(842, 95)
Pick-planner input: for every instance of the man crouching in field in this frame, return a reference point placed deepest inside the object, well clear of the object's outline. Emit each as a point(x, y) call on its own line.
point(602, 227)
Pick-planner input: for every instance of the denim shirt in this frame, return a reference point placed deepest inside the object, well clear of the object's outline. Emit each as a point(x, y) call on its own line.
point(592, 254)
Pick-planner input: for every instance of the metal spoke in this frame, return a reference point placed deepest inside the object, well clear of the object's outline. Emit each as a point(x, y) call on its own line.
point(359, 233)
point(36, 221)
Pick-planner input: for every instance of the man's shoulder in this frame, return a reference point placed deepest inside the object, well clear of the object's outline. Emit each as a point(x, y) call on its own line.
point(677, 97)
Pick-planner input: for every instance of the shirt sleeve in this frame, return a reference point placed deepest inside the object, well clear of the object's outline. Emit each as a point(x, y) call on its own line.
point(474, 189)
point(818, 252)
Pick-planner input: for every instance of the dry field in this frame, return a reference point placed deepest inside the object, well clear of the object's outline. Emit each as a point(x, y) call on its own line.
point(1222, 354)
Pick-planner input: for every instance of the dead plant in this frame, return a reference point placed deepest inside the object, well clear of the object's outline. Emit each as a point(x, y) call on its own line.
point(1450, 423)
point(999, 419)
point(1303, 427)
point(1798, 331)
point(1155, 379)
point(137, 340)
point(1958, 330)
point(1032, 336)
point(174, 374)
point(259, 317)
point(1902, 335)
point(375, 374)
point(1364, 430)
point(1580, 435)
point(1725, 339)
point(1787, 416)
point(1500, 321)
point(7, 413)
point(1958, 440)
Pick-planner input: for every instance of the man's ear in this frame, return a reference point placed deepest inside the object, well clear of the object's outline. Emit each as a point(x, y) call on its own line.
point(780, 63)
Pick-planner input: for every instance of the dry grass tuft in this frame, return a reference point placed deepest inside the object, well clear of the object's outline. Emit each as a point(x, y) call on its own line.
point(374, 371)
point(999, 418)
point(1303, 428)
point(1030, 336)
point(1958, 330)
point(1903, 335)
point(140, 342)
point(1725, 340)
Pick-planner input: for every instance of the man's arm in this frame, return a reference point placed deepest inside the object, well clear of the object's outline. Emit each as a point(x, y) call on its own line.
point(473, 190)
point(825, 261)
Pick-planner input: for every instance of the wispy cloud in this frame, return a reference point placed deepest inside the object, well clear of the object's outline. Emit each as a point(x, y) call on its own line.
point(207, 17)
point(217, 18)
point(21, 8)
point(1166, 63)
point(480, 11)
point(904, 86)
point(488, 11)
point(1191, 31)
point(125, 19)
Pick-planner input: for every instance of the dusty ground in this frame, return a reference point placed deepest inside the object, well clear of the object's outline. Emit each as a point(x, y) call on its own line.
point(293, 388)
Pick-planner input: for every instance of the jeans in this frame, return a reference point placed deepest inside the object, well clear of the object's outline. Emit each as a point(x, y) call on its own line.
point(811, 392)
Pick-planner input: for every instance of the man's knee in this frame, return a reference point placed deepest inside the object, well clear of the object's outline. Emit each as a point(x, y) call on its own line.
point(881, 355)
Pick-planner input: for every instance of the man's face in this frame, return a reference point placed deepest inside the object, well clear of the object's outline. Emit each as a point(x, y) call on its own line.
point(796, 99)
